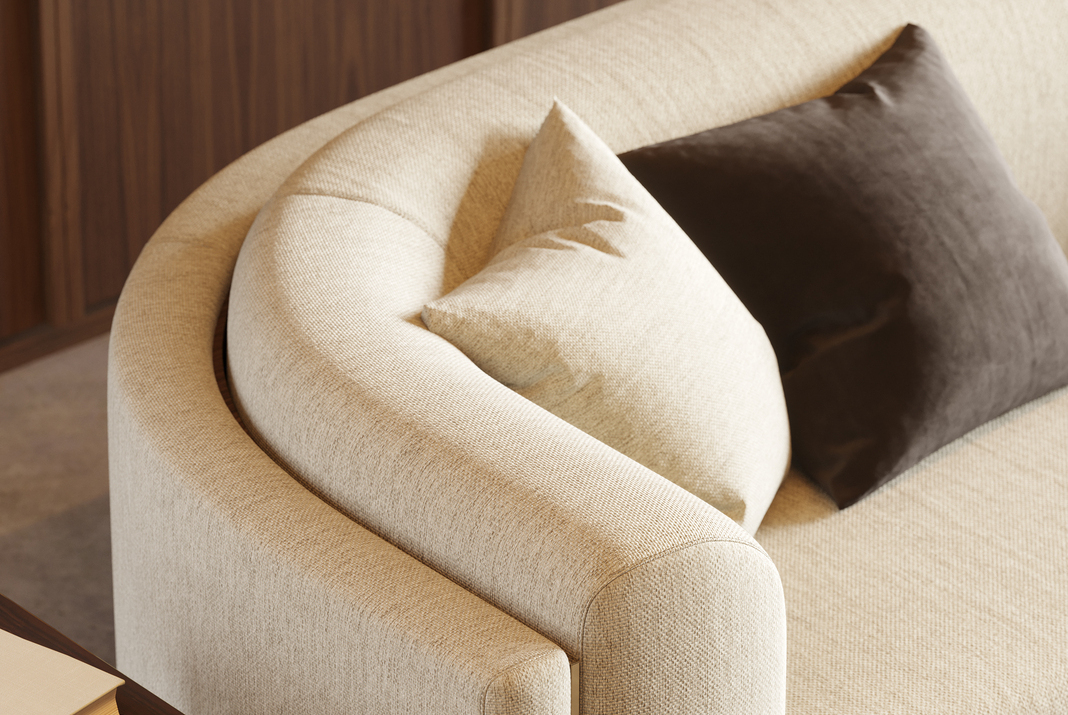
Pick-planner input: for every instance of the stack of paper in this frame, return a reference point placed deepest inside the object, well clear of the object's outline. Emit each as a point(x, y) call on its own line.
point(35, 680)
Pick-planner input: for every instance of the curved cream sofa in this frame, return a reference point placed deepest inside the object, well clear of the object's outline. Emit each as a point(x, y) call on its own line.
point(393, 531)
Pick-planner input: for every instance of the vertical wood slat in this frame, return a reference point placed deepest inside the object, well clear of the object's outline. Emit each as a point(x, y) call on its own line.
point(22, 301)
point(140, 101)
point(60, 166)
point(139, 81)
point(170, 92)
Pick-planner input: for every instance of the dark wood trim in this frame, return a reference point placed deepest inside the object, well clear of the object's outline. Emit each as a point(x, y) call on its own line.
point(140, 78)
point(131, 698)
point(477, 26)
point(503, 17)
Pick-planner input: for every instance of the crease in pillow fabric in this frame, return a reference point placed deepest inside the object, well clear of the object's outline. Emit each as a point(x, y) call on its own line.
point(597, 307)
point(910, 290)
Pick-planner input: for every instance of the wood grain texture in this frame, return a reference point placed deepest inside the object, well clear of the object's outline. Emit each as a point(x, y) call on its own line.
point(22, 297)
point(168, 92)
point(129, 105)
point(59, 167)
point(55, 239)
point(512, 19)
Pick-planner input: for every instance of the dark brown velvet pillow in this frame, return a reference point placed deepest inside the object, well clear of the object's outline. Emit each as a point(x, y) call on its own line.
point(910, 291)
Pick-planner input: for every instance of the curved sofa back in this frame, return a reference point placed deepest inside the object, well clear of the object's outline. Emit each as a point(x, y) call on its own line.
point(339, 381)
point(214, 547)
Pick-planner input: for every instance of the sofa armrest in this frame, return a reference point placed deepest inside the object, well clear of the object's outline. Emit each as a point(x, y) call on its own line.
point(237, 591)
point(639, 555)
point(723, 652)
point(662, 598)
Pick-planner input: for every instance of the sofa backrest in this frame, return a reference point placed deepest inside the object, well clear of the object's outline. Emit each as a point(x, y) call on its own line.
point(338, 379)
point(649, 71)
point(403, 207)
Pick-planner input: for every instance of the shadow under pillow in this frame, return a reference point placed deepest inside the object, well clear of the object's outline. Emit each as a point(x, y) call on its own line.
point(910, 290)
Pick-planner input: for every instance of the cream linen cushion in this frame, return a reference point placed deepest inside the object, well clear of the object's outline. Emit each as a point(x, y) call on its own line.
point(597, 307)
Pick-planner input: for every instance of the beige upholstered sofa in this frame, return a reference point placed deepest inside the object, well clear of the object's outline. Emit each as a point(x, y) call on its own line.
point(401, 534)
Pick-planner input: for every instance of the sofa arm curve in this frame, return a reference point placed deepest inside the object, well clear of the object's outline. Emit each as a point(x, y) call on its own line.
point(400, 431)
point(725, 651)
point(238, 591)
point(229, 576)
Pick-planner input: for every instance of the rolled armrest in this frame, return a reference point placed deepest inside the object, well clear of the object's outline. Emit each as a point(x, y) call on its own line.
point(661, 597)
point(240, 592)
point(699, 629)
point(237, 590)
point(668, 604)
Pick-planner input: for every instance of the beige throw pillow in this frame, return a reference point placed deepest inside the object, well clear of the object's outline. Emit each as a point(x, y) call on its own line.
point(597, 307)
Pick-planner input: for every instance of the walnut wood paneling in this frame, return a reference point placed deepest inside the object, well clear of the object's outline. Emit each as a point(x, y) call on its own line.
point(22, 296)
point(168, 92)
point(115, 110)
point(512, 19)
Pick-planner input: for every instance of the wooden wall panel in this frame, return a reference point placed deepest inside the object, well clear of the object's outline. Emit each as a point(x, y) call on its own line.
point(22, 296)
point(512, 19)
point(58, 136)
point(116, 110)
point(169, 92)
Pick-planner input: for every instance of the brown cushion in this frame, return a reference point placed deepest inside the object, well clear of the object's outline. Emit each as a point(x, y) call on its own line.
point(910, 291)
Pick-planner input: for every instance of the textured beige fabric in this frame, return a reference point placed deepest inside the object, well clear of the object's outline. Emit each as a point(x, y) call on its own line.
point(711, 624)
point(335, 373)
point(506, 499)
point(228, 588)
point(236, 590)
point(271, 601)
point(531, 686)
point(597, 307)
point(945, 591)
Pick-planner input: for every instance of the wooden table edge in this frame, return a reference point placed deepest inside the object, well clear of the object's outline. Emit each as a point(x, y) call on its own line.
point(132, 699)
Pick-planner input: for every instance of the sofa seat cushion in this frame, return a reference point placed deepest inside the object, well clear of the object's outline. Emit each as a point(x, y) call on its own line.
point(946, 591)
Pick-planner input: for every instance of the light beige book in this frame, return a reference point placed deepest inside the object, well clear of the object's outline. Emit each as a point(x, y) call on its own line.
point(35, 680)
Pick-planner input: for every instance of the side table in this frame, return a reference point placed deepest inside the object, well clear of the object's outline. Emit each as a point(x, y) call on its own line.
point(132, 699)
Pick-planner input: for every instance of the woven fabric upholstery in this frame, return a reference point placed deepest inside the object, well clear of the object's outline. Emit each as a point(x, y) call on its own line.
point(945, 591)
point(522, 508)
point(360, 402)
point(335, 373)
point(597, 307)
point(237, 591)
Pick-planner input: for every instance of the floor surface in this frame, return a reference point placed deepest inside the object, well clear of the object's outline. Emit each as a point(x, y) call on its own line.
point(55, 533)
